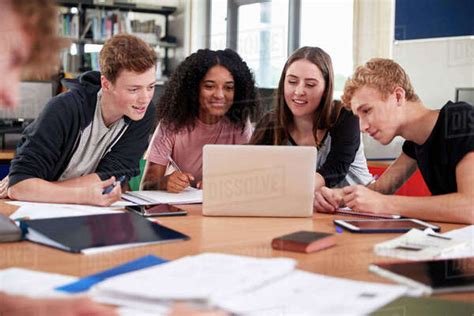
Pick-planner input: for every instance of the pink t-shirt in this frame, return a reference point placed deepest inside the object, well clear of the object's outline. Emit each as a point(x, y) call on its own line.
point(186, 147)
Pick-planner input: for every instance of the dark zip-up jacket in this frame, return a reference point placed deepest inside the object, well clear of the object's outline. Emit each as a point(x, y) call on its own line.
point(49, 142)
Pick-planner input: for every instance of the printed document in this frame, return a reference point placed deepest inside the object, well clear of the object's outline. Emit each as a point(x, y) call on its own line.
point(419, 245)
point(304, 293)
point(203, 277)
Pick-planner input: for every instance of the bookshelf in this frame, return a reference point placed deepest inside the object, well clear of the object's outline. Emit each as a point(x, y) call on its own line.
point(86, 22)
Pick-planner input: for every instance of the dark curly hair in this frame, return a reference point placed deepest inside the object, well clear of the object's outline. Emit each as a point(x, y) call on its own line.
point(178, 107)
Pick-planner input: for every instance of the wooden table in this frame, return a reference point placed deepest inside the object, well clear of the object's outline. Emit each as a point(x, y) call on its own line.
point(233, 235)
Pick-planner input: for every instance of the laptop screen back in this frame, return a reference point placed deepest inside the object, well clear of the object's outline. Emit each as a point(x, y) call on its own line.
point(247, 180)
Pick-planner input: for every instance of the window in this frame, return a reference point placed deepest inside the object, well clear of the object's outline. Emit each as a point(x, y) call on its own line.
point(262, 39)
point(218, 24)
point(328, 25)
point(264, 32)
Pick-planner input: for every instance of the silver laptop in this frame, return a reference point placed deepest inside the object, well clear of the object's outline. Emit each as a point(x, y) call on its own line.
point(248, 180)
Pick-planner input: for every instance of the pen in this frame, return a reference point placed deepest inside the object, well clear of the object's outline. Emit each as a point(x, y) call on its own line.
point(174, 164)
point(177, 168)
point(112, 186)
point(438, 236)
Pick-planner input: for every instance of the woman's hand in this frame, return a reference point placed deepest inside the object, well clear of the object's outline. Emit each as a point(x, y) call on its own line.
point(178, 181)
point(328, 200)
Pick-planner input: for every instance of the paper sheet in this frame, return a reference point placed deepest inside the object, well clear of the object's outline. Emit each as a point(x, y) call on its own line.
point(45, 210)
point(36, 284)
point(117, 205)
point(202, 277)
point(419, 245)
point(466, 234)
point(19, 281)
point(188, 196)
point(304, 293)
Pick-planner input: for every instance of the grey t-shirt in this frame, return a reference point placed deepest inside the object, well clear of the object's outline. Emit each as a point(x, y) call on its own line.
point(96, 140)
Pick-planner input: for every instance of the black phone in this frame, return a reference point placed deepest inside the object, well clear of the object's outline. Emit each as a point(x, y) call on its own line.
point(149, 210)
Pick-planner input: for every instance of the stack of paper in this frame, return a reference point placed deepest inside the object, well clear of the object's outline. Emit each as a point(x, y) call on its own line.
point(188, 196)
point(418, 245)
point(18, 281)
point(466, 234)
point(244, 285)
point(304, 293)
point(202, 278)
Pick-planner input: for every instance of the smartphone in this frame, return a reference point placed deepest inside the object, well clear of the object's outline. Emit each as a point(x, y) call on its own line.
point(149, 210)
point(384, 225)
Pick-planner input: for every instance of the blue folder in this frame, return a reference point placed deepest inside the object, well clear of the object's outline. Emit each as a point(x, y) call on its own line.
point(86, 283)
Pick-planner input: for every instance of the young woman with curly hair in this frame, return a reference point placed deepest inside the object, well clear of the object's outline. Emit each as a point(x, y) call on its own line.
point(209, 99)
point(306, 115)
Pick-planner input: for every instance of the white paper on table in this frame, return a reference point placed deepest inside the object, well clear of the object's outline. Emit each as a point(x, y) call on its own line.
point(419, 245)
point(96, 250)
point(43, 210)
point(304, 293)
point(116, 205)
point(466, 234)
point(36, 284)
point(187, 196)
point(202, 277)
point(19, 281)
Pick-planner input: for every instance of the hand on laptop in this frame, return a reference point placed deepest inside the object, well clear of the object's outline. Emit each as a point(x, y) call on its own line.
point(178, 181)
point(328, 200)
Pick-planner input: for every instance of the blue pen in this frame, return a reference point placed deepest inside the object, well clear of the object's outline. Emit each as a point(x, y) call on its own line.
point(112, 186)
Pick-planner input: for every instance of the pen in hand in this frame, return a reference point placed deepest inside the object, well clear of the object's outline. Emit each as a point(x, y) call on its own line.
point(177, 168)
point(109, 188)
point(174, 164)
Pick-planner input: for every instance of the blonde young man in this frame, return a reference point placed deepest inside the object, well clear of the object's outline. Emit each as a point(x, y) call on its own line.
point(29, 43)
point(438, 142)
point(87, 138)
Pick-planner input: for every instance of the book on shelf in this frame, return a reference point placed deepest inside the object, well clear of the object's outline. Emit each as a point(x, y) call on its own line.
point(69, 24)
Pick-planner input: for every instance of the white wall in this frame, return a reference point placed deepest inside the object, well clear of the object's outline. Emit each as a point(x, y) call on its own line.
point(437, 66)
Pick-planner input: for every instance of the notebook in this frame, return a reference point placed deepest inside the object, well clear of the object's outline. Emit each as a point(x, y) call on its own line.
point(91, 233)
point(350, 212)
point(431, 276)
point(189, 195)
point(250, 180)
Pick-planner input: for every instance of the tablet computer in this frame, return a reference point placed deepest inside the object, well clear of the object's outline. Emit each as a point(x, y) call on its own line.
point(384, 225)
point(149, 210)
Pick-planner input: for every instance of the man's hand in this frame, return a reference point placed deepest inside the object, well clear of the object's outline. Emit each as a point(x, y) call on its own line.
point(93, 195)
point(359, 198)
